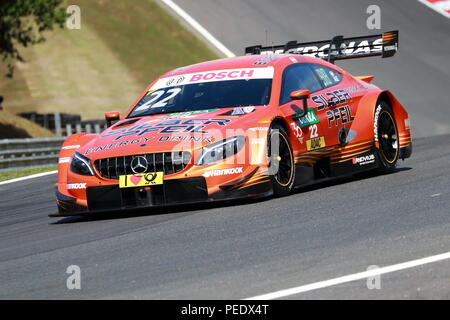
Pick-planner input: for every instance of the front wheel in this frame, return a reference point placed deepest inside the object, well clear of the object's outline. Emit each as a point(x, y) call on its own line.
point(282, 167)
point(386, 134)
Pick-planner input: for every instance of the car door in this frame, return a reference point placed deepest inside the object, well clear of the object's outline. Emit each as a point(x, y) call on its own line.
point(308, 130)
point(333, 104)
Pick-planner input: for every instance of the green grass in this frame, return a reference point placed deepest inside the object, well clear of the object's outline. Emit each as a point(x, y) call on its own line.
point(121, 48)
point(13, 174)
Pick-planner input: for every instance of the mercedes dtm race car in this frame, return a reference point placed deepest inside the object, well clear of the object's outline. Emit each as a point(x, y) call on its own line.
point(261, 124)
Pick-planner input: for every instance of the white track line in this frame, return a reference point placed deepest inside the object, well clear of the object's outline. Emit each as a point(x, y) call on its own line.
point(38, 175)
point(441, 7)
point(199, 28)
point(351, 277)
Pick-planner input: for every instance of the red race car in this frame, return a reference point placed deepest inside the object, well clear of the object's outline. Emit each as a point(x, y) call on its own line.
point(256, 125)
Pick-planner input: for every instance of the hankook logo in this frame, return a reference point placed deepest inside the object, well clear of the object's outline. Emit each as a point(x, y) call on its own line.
point(139, 164)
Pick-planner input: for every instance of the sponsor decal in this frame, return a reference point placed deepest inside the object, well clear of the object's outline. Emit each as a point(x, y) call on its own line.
point(309, 119)
point(237, 112)
point(71, 147)
point(215, 75)
point(141, 180)
point(143, 140)
point(324, 77)
point(185, 138)
point(375, 124)
point(117, 145)
point(363, 160)
point(249, 109)
point(315, 143)
point(331, 99)
point(167, 126)
point(391, 48)
point(64, 160)
point(297, 132)
point(175, 81)
point(341, 115)
point(242, 110)
point(264, 60)
point(222, 172)
point(76, 186)
point(348, 48)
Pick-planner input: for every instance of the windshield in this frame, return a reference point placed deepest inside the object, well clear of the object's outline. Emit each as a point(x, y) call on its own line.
point(204, 95)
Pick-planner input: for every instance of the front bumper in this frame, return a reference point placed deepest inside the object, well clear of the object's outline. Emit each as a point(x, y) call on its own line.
point(193, 190)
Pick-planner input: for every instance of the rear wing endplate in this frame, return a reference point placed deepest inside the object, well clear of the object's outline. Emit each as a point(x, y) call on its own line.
point(338, 48)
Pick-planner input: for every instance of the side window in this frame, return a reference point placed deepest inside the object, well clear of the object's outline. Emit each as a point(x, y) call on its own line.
point(327, 76)
point(297, 77)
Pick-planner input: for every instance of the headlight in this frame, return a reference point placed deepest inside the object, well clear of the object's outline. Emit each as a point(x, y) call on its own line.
point(81, 165)
point(221, 150)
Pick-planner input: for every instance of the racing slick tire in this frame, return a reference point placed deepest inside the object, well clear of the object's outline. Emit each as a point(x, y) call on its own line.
point(388, 149)
point(282, 165)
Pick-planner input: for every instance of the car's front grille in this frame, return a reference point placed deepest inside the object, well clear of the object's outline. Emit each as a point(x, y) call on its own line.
point(167, 162)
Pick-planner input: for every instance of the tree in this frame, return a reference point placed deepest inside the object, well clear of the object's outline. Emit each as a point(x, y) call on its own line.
point(22, 22)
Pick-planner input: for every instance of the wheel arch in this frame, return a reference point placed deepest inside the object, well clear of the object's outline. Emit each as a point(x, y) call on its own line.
point(365, 115)
point(399, 111)
point(282, 122)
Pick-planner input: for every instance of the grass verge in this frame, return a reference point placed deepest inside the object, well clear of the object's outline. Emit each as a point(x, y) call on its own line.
point(13, 174)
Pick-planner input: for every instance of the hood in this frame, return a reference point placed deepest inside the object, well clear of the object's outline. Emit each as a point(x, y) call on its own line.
point(170, 132)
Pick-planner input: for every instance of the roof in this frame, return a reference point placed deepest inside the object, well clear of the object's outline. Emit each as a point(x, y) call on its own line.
point(252, 61)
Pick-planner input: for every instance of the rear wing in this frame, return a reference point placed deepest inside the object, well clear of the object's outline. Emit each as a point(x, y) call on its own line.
point(338, 48)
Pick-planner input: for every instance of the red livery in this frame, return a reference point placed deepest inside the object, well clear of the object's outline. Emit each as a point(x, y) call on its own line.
point(256, 125)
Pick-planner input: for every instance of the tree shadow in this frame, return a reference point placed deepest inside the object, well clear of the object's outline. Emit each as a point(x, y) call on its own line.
point(9, 131)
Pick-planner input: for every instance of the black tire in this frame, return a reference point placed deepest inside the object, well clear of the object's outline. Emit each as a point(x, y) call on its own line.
point(386, 133)
point(282, 166)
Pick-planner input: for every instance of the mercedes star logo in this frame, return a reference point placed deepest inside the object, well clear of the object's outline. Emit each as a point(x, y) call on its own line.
point(139, 164)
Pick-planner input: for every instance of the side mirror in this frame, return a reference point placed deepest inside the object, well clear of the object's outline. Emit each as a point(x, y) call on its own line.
point(301, 95)
point(111, 117)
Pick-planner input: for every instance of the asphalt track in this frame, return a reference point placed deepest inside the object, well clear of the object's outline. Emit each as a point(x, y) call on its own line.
point(242, 250)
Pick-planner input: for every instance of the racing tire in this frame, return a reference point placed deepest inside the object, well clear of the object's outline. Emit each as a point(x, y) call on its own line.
point(282, 165)
point(386, 133)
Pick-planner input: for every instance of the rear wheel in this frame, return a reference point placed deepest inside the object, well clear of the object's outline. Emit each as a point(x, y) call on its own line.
point(282, 167)
point(387, 133)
